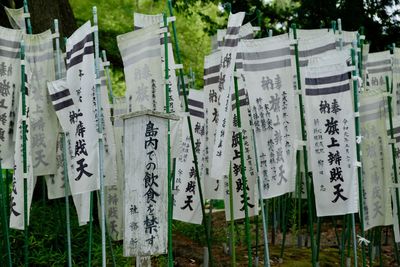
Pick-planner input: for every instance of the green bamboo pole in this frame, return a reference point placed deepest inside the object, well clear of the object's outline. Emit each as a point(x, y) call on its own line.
point(243, 173)
point(8, 182)
point(318, 239)
point(358, 153)
point(64, 151)
point(298, 197)
point(343, 242)
point(101, 141)
point(284, 225)
point(4, 217)
point(232, 220)
point(304, 137)
point(170, 200)
point(186, 109)
point(90, 241)
point(262, 206)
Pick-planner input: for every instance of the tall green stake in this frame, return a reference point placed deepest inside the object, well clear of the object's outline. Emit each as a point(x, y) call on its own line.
point(186, 109)
point(101, 141)
point(64, 151)
point(4, 222)
point(358, 150)
point(232, 250)
point(167, 92)
point(304, 137)
point(243, 173)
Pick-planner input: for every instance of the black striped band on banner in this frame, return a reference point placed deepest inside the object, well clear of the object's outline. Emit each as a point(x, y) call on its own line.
point(79, 45)
point(196, 113)
point(137, 28)
point(63, 104)
point(329, 79)
point(162, 40)
point(379, 63)
point(329, 90)
point(59, 95)
point(195, 103)
point(78, 59)
point(379, 70)
point(9, 54)
point(231, 42)
point(154, 41)
point(211, 80)
point(395, 130)
point(241, 92)
point(281, 52)
point(232, 30)
point(9, 44)
point(315, 51)
point(268, 65)
point(242, 102)
point(211, 70)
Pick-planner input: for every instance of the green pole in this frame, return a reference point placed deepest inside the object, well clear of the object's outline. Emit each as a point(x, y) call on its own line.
point(232, 220)
point(186, 109)
point(358, 152)
point(262, 206)
point(304, 137)
point(170, 200)
point(318, 238)
point(107, 71)
point(299, 176)
point(243, 173)
point(343, 241)
point(90, 229)
point(284, 225)
point(24, 156)
point(4, 217)
point(8, 182)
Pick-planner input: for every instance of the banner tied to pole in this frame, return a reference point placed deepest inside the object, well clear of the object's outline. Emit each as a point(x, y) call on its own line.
point(10, 85)
point(394, 190)
point(145, 189)
point(220, 156)
point(16, 18)
point(213, 188)
point(379, 66)
point(375, 161)
point(268, 73)
point(396, 81)
point(332, 141)
point(20, 173)
point(40, 66)
point(74, 101)
point(141, 56)
point(187, 205)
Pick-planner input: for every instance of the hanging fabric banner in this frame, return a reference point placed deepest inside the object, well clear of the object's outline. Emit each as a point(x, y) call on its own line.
point(213, 188)
point(268, 74)
point(187, 205)
point(141, 55)
point(145, 190)
point(10, 84)
point(220, 157)
point(16, 18)
point(396, 81)
point(248, 146)
point(332, 141)
point(375, 161)
point(114, 194)
point(40, 63)
point(379, 66)
point(17, 193)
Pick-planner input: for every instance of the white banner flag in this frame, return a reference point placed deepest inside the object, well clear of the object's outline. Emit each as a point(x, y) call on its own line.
point(220, 157)
point(187, 205)
point(145, 190)
point(16, 18)
point(379, 66)
point(17, 193)
point(396, 82)
point(141, 55)
point(375, 161)
point(268, 73)
point(10, 84)
point(213, 188)
point(331, 138)
point(40, 66)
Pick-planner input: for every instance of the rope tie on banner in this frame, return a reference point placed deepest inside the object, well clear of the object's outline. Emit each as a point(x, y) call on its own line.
point(359, 139)
point(106, 63)
point(363, 240)
point(26, 15)
point(178, 66)
point(55, 35)
point(392, 141)
point(300, 144)
point(356, 114)
point(95, 28)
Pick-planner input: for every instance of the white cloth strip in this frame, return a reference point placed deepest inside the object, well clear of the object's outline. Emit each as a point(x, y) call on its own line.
point(256, 28)
point(178, 66)
point(362, 240)
point(26, 15)
point(97, 81)
point(100, 136)
point(95, 28)
point(392, 141)
point(362, 37)
point(171, 19)
point(356, 114)
point(55, 35)
point(106, 63)
point(357, 164)
point(359, 139)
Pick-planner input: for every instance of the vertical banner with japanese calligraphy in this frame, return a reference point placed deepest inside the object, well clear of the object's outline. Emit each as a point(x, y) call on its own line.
point(141, 55)
point(220, 156)
point(249, 160)
point(40, 67)
point(213, 188)
point(375, 161)
point(187, 206)
point(114, 194)
point(145, 190)
point(379, 66)
point(268, 73)
point(396, 81)
point(395, 189)
point(17, 193)
point(331, 138)
point(10, 84)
